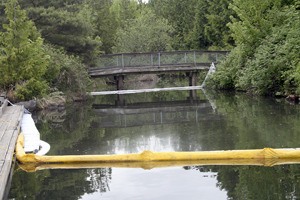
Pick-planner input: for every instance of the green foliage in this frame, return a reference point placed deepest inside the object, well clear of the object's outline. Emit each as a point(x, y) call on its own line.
point(275, 59)
point(73, 76)
point(226, 76)
point(47, 3)
point(215, 30)
point(56, 61)
point(105, 23)
point(266, 33)
point(123, 10)
point(144, 34)
point(253, 20)
point(31, 88)
point(267, 54)
point(198, 24)
point(297, 77)
point(69, 27)
point(180, 15)
point(197, 37)
point(23, 60)
point(65, 72)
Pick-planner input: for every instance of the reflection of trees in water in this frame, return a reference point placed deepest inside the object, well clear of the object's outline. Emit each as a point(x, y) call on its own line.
point(254, 182)
point(99, 179)
point(60, 184)
point(253, 123)
point(73, 126)
point(260, 122)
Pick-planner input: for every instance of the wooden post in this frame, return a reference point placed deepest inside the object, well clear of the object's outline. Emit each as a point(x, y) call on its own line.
point(119, 82)
point(193, 96)
point(120, 100)
point(192, 78)
point(122, 61)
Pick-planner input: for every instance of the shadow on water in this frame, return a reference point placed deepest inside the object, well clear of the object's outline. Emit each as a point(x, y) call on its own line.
point(166, 121)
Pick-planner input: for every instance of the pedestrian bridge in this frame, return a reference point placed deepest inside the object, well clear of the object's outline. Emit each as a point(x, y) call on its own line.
point(189, 62)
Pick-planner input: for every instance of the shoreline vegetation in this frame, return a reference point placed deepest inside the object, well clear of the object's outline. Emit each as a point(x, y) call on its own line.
point(46, 47)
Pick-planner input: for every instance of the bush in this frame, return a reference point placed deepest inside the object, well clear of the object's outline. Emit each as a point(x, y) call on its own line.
point(271, 64)
point(31, 88)
point(66, 72)
point(23, 60)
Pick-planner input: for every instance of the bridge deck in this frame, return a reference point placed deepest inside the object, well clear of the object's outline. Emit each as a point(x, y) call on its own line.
point(10, 117)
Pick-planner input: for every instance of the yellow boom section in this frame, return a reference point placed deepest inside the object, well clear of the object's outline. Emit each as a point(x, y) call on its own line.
point(148, 159)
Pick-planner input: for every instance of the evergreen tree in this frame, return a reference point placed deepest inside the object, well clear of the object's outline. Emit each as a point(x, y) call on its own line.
point(197, 37)
point(67, 24)
point(23, 61)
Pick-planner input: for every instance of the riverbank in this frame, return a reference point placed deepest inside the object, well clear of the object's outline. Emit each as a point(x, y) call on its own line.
point(52, 101)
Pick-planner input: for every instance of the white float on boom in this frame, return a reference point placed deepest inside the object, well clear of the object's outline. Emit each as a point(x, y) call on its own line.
point(32, 141)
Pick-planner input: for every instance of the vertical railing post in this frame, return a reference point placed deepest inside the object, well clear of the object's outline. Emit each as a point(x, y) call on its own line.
point(122, 60)
point(125, 121)
point(216, 57)
point(159, 59)
point(195, 58)
point(185, 57)
point(151, 59)
point(117, 61)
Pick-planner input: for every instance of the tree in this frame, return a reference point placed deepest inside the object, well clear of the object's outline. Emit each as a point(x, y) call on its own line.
point(266, 58)
point(216, 30)
point(181, 15)
point(124, 10)
point(23, 60)
point(198, 24)
point(197, 37)
point(146, 33)
point(70, 28)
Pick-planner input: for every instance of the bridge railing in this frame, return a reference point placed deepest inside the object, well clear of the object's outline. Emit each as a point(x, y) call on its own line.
point(160, 59)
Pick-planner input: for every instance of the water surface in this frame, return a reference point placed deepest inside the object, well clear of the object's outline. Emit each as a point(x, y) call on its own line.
point(166, 121)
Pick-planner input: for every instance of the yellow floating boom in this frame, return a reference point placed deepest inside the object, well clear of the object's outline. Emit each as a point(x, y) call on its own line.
point(32, 167)
point(148, 159)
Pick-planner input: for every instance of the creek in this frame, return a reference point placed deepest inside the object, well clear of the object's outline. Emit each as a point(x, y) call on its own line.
point(166, 121)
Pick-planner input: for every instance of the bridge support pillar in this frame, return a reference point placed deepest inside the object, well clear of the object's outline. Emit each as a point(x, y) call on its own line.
point(119, 82)
point(192, 78)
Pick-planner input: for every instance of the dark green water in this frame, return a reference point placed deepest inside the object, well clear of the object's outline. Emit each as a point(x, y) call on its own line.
point(166, 121)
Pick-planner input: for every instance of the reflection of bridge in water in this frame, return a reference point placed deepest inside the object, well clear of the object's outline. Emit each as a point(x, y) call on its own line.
point(153, 113)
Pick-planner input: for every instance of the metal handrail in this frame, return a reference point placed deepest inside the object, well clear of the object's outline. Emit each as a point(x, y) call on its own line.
point(192, 58)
